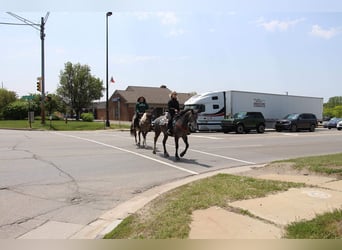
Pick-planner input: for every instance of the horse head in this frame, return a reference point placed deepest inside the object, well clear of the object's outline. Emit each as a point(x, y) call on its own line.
point(193, 120)
point(188, 119)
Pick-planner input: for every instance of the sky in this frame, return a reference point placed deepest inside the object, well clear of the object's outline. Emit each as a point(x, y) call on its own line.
point(291, 47)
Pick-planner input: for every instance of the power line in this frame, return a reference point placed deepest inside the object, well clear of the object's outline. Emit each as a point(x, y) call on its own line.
point(15, 24)
point(41, 28)
point(24, 20)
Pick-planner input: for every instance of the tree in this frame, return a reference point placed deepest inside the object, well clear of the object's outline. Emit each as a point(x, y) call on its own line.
point(333, 108)
point(6, 97)
point(334, 101)
point(78, 88)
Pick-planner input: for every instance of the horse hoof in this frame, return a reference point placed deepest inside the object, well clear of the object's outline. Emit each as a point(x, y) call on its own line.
point(177, 158)
point(154, 152)
point(182, 154)
point(166, 155)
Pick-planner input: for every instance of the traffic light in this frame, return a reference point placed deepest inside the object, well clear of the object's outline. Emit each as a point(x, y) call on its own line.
point(39, 86)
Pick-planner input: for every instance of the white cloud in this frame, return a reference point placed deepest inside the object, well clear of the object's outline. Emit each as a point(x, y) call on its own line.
point(277, 25)
point(318, 31)
point(176, 32)
point(168, 18)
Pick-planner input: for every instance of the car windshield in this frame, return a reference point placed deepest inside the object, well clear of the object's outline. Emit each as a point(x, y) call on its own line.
point(240, 115)
point(291, 116)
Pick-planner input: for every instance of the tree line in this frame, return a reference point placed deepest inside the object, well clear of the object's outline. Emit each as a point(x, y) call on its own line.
point(333, 108)
point(76, 90)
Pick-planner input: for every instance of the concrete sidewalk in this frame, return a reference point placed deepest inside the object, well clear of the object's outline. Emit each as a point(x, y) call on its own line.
point(271, 213)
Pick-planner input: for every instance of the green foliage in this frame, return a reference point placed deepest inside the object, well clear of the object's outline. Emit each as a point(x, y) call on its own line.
point(334, 101)
point(87, 117)
point(16, 110)
point(6, 97)
point(333, 108)
point(78, 88)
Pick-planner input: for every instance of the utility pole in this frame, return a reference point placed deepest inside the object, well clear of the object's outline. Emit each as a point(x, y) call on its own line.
point(42, 37)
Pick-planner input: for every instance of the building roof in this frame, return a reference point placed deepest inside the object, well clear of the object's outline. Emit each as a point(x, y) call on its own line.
point(153, 95)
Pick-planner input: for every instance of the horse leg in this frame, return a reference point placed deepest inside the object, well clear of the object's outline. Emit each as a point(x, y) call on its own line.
point(135, 136)
point(166, 154)
point(144, 139)
point(185, 139)
point(156, 135)
point(139, 135)
point(177, 146)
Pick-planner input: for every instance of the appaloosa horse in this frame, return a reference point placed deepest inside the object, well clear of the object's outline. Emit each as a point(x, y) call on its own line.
point(143, 128)
point(181, 129)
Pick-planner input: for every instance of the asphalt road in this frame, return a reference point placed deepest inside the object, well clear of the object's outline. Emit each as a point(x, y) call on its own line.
point(75, 177)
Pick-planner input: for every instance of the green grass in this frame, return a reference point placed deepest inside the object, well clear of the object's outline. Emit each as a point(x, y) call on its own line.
point(169, 216)
point(325, 164)
point(58, 125)
point(325, 226)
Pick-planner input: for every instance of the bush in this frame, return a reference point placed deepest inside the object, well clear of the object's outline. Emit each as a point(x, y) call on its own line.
point(17, 110)
point(87, 117)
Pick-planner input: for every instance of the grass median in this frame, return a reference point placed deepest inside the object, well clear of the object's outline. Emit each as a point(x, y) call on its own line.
point(59, 125)
point(169, 216)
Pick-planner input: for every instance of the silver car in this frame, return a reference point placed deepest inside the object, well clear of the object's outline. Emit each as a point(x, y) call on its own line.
point(339, 125)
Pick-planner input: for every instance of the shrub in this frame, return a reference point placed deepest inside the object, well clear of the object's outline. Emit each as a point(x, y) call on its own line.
point(87, 117)
point(17, 110)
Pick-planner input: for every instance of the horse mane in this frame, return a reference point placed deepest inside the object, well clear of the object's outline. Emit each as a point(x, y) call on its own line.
point(145, 116)
point(185, 111)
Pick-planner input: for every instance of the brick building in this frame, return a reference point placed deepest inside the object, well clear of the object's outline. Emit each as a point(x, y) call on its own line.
point(121, 104)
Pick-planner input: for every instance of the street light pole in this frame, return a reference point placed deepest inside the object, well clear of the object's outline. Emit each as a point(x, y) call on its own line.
point(42, 36)
point(107, 108)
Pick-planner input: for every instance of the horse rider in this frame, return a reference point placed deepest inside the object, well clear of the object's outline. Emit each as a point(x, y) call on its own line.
point(140, 107)
point(173, 107)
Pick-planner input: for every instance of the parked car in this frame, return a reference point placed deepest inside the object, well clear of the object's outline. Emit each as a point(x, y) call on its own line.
point(325, 124)
point(339, 125)
point(333, 122)
point(296, 122)
point(244, 122)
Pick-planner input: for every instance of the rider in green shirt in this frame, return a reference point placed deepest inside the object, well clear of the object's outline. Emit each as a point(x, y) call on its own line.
point(140, 107)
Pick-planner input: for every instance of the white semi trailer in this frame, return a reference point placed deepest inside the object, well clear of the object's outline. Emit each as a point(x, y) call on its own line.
point(215, 106)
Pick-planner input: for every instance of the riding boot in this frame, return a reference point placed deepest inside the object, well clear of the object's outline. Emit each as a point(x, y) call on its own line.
point(136, 122)
point(169, 127)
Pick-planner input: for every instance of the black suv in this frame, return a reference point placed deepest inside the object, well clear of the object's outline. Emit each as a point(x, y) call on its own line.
point(244, 122)
point(296, 122)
